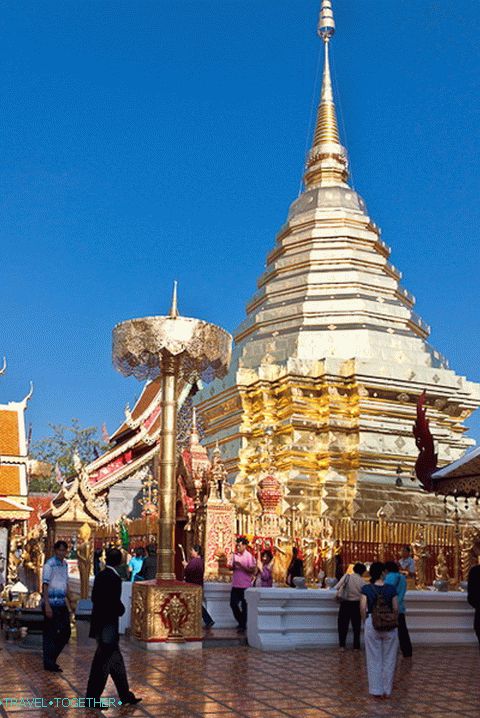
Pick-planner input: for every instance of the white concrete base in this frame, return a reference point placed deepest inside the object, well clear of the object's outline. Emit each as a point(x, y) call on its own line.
point(74, 583)
point(163, 646)
point(217, 601)
point(287, 618)
point(125, 620)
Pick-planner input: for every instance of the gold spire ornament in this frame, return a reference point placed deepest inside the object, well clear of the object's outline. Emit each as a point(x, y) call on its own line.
point(174, 307)
point(326, 22)
point(327, 162)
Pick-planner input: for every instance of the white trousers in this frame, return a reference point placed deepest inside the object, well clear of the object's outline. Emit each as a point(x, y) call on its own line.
point(381, 652)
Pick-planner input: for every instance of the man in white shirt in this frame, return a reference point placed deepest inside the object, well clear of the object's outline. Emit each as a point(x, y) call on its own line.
point(56, 607)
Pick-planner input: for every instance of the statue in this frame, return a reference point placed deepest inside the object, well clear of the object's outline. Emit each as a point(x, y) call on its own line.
point(124, 537)
point(12, 571)
point(309, 559)
point(282, 559)
point(84, 559)
point(426, 462)
point(33, 600)
point(420, 555)
point(441, 569)
point(328, 545)
point(33, 558)
point(468, 545)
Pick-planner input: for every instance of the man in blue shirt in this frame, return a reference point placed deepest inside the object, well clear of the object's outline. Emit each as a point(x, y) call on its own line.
point(56, 608)
point(399, 582)
point(407, 562)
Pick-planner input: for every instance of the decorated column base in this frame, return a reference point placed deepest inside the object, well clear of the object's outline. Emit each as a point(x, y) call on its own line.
point(167, 615)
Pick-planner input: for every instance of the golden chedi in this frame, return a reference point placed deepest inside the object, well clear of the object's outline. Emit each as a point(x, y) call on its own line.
point(332, 358)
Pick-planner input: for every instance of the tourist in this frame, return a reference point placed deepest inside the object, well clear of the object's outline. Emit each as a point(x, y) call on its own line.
point(473, 594)
point(149, 567)
point(136, 562)
point(97, 555)
point(349, 592)
point(123, 570)
point(56, 607)
point(396, 579)
point(193, 573)
point(107, 608)
point(243, 566)
point(379, 606)
point(264, 578)
point(406, 562)
point(295, 568)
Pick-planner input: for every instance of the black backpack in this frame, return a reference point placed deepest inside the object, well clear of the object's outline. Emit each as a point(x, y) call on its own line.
point(384, 617)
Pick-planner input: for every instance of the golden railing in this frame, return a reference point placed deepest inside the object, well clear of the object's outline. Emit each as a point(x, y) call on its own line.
point(141, 531)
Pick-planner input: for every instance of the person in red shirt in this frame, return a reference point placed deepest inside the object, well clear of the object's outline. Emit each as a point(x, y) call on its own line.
point(193, 573)
point(243, 565)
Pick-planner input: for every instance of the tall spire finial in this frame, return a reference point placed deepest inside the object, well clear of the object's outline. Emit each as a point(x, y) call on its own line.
point(327, 161)
point(326, 23)
point(174, 308)
point(194, 436)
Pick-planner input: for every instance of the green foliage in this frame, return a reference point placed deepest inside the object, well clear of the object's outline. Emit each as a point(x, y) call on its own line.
point(43, 485)
point(59, 449)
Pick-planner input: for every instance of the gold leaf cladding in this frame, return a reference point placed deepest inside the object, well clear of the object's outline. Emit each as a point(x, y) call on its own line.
point(163, 611)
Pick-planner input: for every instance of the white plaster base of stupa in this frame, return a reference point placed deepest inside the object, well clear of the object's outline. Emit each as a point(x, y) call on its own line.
point(285, 618)
point(216, 597)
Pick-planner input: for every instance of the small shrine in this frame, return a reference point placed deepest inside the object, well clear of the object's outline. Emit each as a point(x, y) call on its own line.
point(74, 506)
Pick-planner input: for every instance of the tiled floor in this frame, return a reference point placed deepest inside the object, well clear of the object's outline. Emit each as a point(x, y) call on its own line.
point(238, 681)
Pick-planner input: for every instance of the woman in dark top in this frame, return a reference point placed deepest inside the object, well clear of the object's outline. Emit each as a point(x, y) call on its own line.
point(149, 567)
point(295, 568)
point(193, 573)
point(380, 646)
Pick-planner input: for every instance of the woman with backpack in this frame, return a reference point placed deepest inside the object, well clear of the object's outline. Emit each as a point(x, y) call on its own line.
point(379, 610)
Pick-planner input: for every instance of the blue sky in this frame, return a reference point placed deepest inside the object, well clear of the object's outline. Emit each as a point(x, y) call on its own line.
point(142, 142)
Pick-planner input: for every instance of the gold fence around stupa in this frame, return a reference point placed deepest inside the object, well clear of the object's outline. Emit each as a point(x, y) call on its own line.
point(378, 540)
point(350, 540)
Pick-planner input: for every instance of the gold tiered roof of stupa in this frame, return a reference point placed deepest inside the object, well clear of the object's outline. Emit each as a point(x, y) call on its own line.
point(332, 356)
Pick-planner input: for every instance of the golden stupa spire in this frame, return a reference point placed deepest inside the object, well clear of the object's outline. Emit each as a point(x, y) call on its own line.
point(327, 160)
point(174, 308)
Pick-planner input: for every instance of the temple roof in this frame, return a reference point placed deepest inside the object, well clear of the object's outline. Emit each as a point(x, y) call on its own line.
point(459, 478)
point(13, 459)
point(148, 400)
point(466, 466)
point(14, 510)
point(39, 503)
point(76, 501)
point(9, 431)
point(135, 442)
point(10, 480)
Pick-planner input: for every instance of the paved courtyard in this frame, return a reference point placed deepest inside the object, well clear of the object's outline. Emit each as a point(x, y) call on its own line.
point(239, 681)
